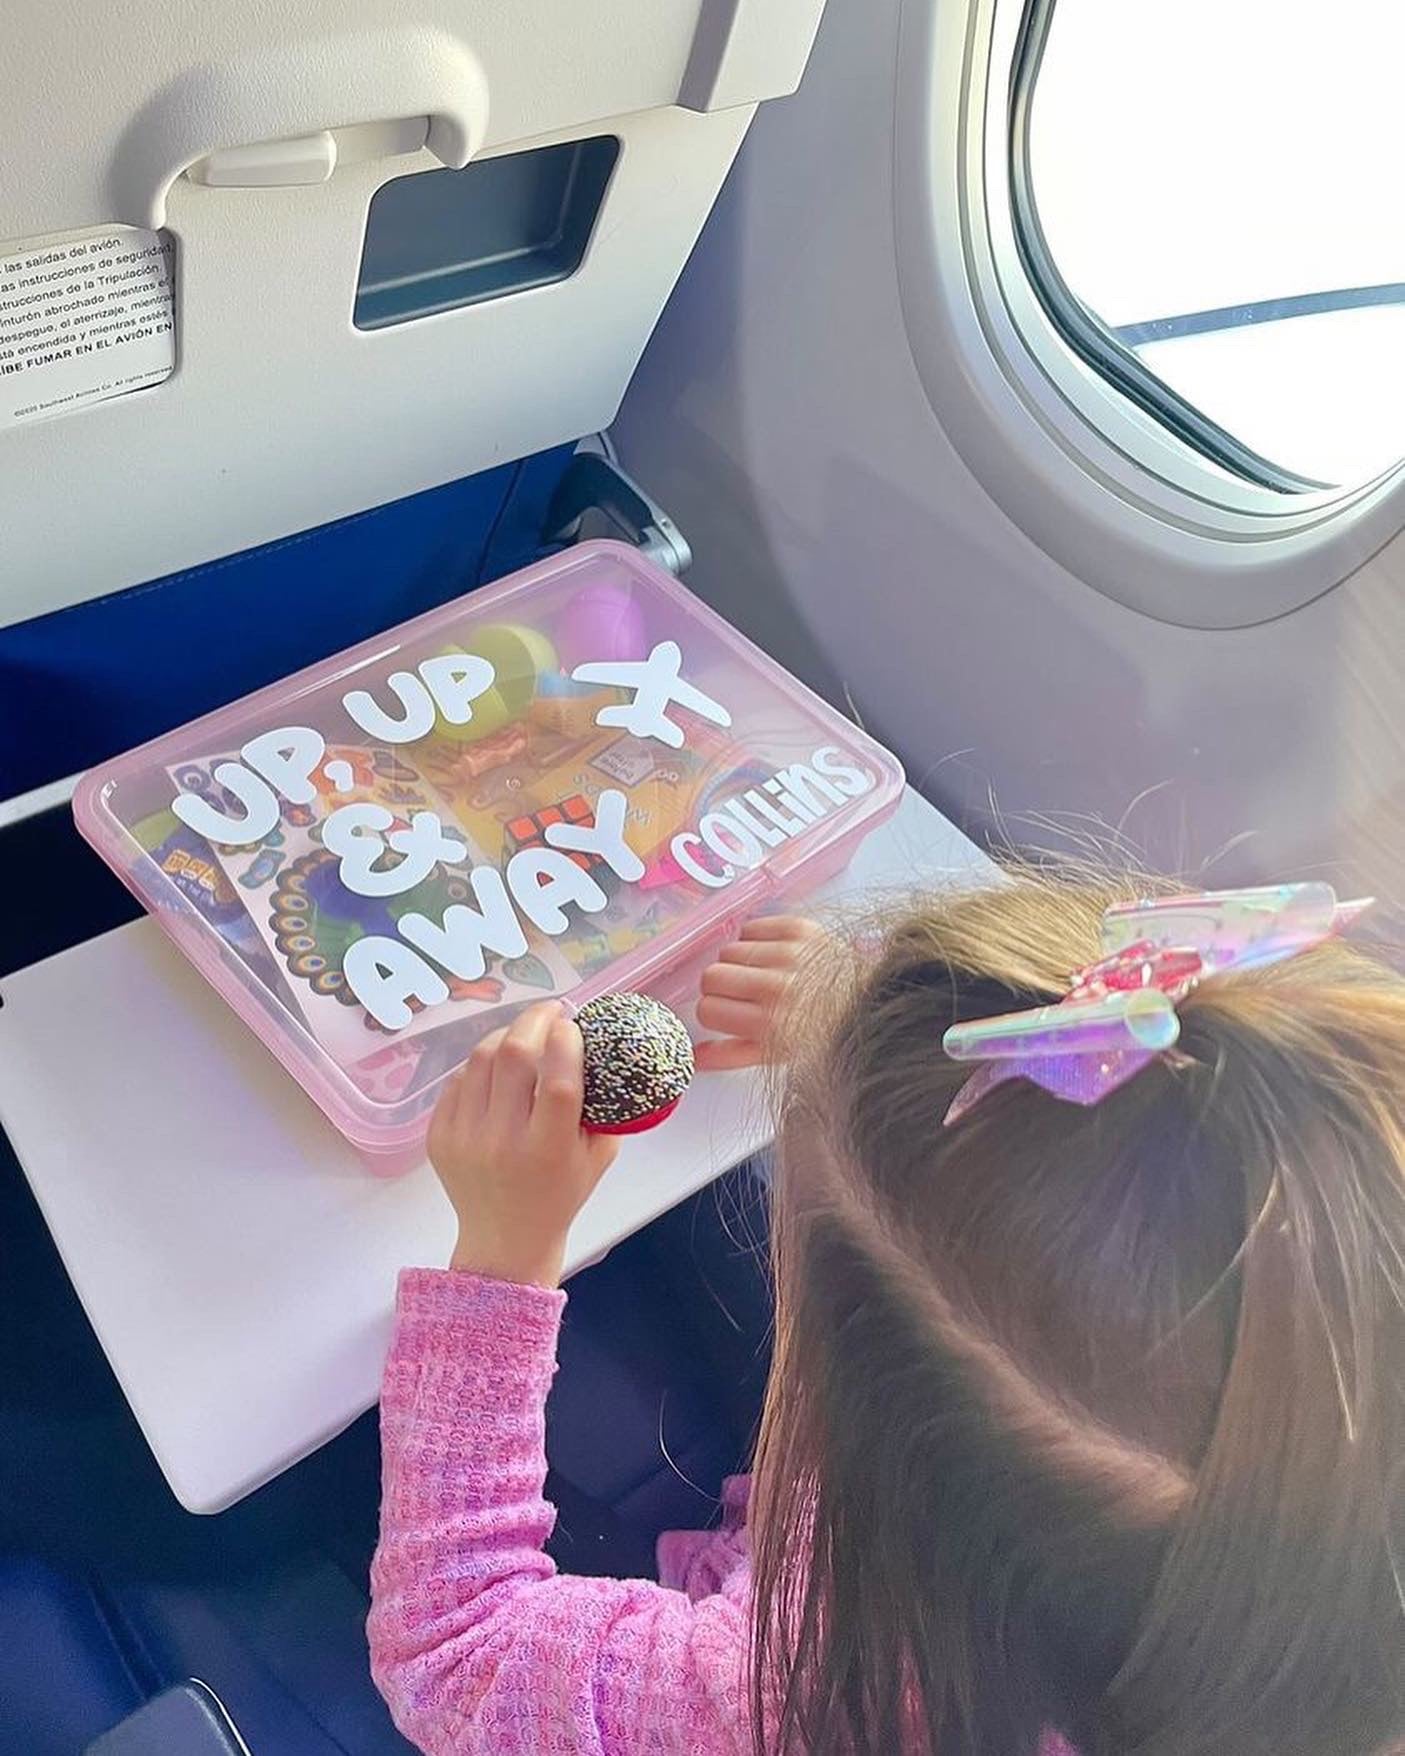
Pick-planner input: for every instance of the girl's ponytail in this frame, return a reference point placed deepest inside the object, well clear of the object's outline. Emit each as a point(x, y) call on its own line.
point(1277, 1625)
point(1090, 1420)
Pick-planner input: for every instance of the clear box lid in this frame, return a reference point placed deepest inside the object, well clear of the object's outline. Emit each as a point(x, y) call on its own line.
point(565, 783)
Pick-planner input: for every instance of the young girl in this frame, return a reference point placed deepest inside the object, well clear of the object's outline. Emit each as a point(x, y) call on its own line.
point(1087, 1414)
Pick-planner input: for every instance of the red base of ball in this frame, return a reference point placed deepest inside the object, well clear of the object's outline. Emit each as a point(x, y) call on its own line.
point(640, 1125)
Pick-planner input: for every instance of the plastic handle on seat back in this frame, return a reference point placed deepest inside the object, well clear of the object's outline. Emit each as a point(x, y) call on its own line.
point(188, 1720)
point(267, 116)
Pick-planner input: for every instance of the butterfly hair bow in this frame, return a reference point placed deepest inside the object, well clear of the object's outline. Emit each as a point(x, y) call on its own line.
point(1120, 1012)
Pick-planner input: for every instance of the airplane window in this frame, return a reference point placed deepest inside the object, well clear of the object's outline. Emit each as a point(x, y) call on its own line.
point(1207, 200)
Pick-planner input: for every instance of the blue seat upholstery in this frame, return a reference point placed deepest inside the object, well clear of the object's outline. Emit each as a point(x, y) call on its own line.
point(663, 1362)
point(284, 1648)
point(63, 1678)
point(86, 682)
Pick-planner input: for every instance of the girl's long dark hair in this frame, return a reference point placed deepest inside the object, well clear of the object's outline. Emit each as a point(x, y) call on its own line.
point(1090, 1420)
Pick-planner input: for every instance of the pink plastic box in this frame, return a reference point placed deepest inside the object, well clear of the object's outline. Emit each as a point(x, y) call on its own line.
point(576, 780)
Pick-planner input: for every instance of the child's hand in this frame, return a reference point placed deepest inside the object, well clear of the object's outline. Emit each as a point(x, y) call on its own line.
point(509, 1148)
point(743, 990)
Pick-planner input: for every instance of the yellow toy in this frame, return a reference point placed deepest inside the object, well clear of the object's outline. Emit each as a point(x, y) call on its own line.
point(520, 657)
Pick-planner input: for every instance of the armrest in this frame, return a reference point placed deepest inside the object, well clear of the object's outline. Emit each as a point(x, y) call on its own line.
point(188, 1720)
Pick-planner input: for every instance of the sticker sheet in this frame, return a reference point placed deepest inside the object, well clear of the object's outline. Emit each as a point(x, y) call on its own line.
point(302, 918)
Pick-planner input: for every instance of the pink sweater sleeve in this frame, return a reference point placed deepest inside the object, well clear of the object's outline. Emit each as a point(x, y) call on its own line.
point(476, 1643)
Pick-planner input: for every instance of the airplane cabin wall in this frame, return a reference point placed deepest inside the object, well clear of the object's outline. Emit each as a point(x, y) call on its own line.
point(779, 417)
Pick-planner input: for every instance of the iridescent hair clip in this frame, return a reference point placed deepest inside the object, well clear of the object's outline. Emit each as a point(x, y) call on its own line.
point(1120, 1012)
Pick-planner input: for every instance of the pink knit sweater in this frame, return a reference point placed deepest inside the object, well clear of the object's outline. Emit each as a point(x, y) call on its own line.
point(476, 1643)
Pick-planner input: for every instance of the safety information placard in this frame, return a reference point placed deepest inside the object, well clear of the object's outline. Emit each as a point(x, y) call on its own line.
point(85, 320)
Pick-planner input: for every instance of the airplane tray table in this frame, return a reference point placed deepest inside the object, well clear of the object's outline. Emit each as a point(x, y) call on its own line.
point(241, 1276)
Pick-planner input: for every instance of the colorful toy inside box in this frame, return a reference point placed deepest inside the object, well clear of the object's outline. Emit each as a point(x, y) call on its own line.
point(568, 783)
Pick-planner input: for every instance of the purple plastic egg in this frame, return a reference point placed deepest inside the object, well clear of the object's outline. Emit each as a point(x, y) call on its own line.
point(601, 624)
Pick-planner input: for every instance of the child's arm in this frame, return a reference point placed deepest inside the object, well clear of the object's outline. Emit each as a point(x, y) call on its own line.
point(476, 1644)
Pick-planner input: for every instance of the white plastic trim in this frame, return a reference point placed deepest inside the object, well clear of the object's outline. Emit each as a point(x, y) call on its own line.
point(744, 54)
point(274, 95)
point(22, 806)
point(1098, 485)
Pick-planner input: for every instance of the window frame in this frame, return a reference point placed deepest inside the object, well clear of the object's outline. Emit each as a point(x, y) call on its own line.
point(1099, 347)
point(1091, 474)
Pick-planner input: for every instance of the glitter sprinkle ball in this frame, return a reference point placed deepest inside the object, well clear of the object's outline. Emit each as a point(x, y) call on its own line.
point(638, 1063)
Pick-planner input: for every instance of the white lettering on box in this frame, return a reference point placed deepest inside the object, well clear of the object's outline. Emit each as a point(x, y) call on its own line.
point(286, 760)
point(360, 835)
point(416, 719)
point(851, 781)
point(461, 939)
point(385, 974)
point(449, 684)
point(655, 684)
point(766, 833)
point(731, 840)
point(542, 880)
point(604, 838)
point(379, 855)
point(259, 800)
point(681, 847)
point(807, 791)
point(456, 680)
